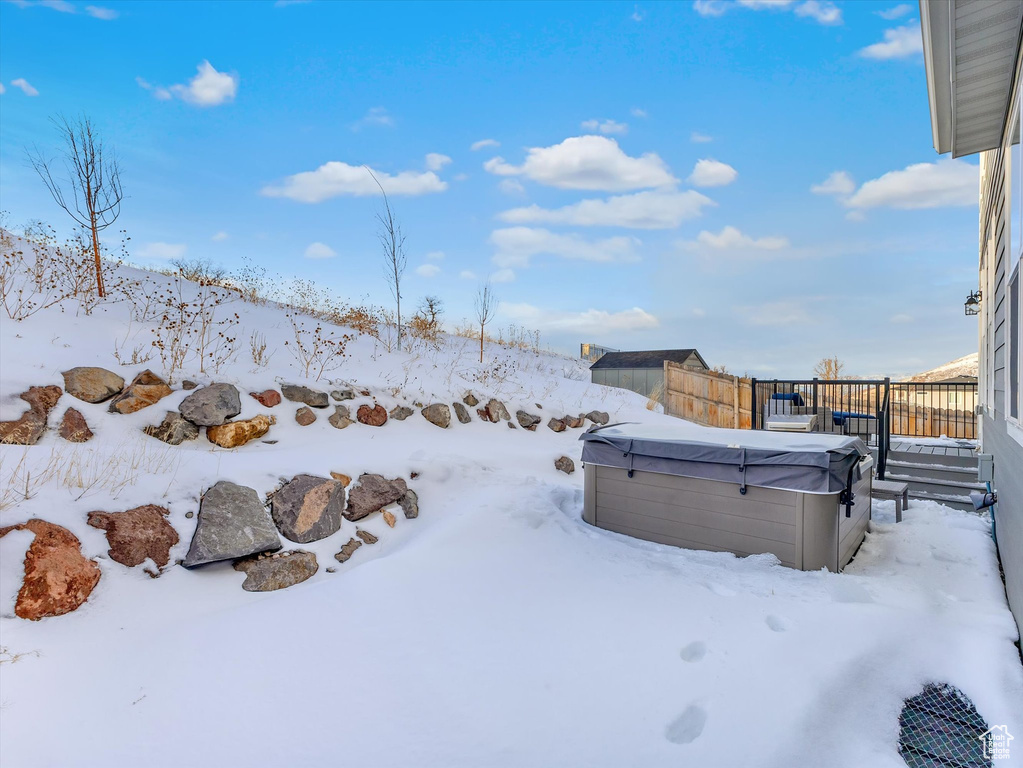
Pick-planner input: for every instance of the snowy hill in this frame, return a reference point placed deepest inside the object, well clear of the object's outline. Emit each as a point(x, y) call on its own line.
point(493, 628)
point(962, 366)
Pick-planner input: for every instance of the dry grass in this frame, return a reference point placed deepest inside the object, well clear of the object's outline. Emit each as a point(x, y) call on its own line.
point(656, 397)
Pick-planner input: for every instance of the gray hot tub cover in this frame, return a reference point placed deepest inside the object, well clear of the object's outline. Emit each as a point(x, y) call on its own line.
point(812, 463)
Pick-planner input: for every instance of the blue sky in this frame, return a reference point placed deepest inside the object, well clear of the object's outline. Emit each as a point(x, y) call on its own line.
point(755, 179)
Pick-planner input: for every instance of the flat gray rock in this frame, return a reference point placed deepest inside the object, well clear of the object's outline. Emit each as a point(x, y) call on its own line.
point(299, 394)
point(497, 411)
point(173, 430)
point(598, 417)
point(527, 420)
point(400, 412)
point(232, 523)
point(340, 418)
point(564, 464)
point(373, 493)
point(438, 414)
point(212, 406)
point(409, 504)
point(343, 394)
point(266, 573)
point(308, 508)
point(462, 413)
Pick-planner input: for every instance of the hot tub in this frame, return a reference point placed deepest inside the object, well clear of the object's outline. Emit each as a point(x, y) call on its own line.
point(804, 498)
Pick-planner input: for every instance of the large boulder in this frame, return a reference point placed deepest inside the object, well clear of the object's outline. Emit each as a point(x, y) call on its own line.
point(409, 504)
point(527, 420)
point(268, 397)
point(211, 406)
point(496, 411)
point(58, 577)
point(305, 395)
point(461, 413)
point(598, 417)
point(265, 573)
point(73, 427)
point(308, 508)
point(372, 494)
point(340, 418)
point(93, 385)
point(232, 524)
point(137, 534)
point(438, 414)
point(373, 417)
point(237, 433)
point(144, 390)
point(174, 429)
point(30, 426)
point(400, 412)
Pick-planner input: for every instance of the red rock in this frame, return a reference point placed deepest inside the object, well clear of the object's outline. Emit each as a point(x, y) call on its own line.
point(374, 417)
point(137, 534)
point(58, 577)
point(74, 428)
point(305, 416)
point(42, 399)
point(145, 389)
point(268, 397)
point(27, 429)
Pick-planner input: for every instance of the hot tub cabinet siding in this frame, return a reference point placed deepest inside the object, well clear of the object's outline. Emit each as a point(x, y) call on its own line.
point(803, 530)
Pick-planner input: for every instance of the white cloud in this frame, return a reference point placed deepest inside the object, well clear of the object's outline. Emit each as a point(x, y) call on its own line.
point(460, 176)
point(587, 162)
point(502, 276)
point(779, 313)
point(375, 116)
point(516, 245)
point(483, 144)
point(637, 112)
point(466, 274)
point(435, 256)
point(165, 251)
point(821, 11)
point(336, 178)
point(209, 88)
point(941, 184)
point(511, 187)
point(709, 8)
point(25, 86)
point(896, 12)
point(219, 237)
point(106, 14)
point(637, 15)
point(158, 90)
point(435, 161)
point(711, 173)
point(731, 239)
point(2, 89)
point(427, 270)
point(590, 321)
point(855, 216)
point(839, 183)
point(642, 210)
point(769, 5)
point(902, 317)
point(898, 43)
point(605, 125)
point(319, 251)
point(700, 138)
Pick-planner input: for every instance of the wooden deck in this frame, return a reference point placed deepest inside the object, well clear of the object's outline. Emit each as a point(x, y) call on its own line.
point(964, 450)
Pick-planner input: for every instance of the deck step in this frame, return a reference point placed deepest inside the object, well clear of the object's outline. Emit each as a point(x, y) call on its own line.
point(949, 500)
point(914, 457)
point(935, 485)
point(922, 469)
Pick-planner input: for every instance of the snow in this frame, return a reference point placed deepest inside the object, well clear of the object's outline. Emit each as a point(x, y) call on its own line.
point(495, 629)
point(962, 366)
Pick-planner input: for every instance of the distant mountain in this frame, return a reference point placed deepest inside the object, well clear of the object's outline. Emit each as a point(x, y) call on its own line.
point(963, 366)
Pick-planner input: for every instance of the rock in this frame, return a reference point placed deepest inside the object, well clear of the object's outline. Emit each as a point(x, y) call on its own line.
point(330, 570)
point(347, 550)
point(511, 425)
point(188, 384)
point(482, 413)
point(389, 518)
point(438, 414)
point(462, 413)
point(373, 493)
point(30, 426)
point(400, 413)
point(345, 480)
point(174, 429)
point(557, 425)
point(574, 421)
point(564, 464)
point(310, 397)
point(598, 417)
point(74, 428)
point(237, 433)
point(366, 536)
point(268, 397)
point(374, 417)
point(265, 574)
point(364, 392)
point(232, 524)
point(144, 390)
point(470, 400)
point(308, 508)
point(305, 416)
point(527, 420)
point(409, 504)
point(189, 515)
point(93, 385)
point(496, 411)
point(538, 406)
point(343, 394)
point(58, 577)
point(137, 534)
point(341, 417)
point(212, 405)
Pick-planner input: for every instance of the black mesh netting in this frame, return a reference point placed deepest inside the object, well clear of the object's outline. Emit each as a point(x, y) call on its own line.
point(942, 729)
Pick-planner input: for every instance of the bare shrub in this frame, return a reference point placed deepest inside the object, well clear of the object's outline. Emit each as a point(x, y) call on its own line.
point(485, 304)
point(200, 271)
point(316, 351)
point(193, 327)
point(257, 347)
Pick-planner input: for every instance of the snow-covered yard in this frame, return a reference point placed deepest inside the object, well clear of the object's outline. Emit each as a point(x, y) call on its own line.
point(497, 628)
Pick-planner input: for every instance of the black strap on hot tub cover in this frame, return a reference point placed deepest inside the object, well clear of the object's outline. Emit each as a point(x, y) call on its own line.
point(813, 470)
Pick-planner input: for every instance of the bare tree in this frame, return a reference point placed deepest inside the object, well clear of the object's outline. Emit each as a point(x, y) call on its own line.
point(485, 305)
point(431, 308)
point(91, 194)
point(392, 239)
point(829, 368)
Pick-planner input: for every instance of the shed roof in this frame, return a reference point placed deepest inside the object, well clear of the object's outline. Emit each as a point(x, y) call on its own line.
point(647, 358)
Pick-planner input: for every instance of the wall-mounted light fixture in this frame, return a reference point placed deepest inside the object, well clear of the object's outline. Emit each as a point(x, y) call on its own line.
point(973, 303)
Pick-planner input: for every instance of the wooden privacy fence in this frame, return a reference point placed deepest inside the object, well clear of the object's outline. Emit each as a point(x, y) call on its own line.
point(713, 399)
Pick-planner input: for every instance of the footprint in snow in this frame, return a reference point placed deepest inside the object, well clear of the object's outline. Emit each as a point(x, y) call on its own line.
point(776, 623)
point(687, 727)
point(694, 651)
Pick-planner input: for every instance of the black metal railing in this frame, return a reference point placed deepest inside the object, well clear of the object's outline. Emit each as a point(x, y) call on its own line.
point(933, 409)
